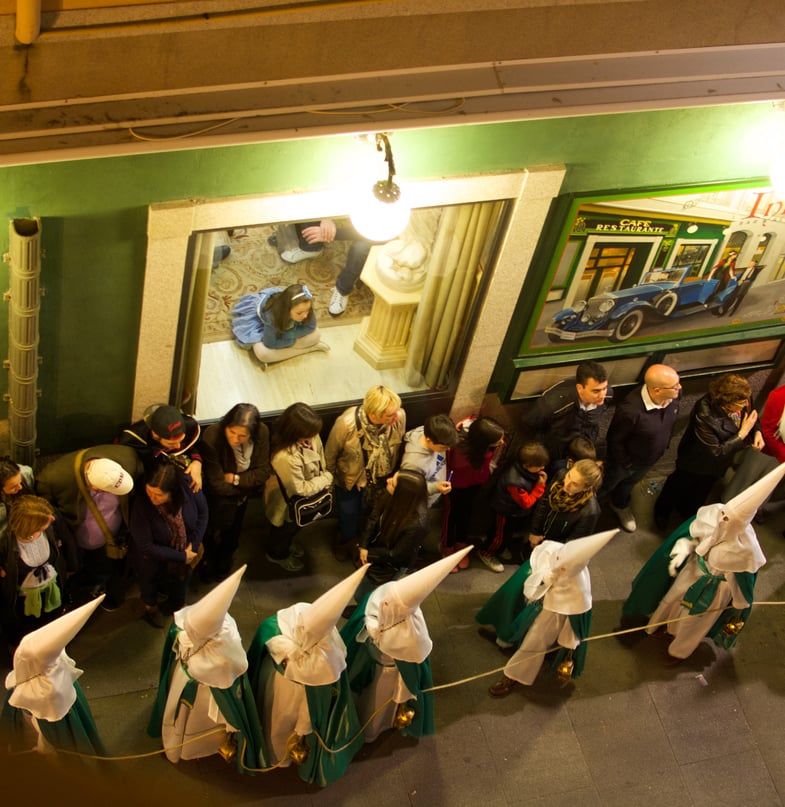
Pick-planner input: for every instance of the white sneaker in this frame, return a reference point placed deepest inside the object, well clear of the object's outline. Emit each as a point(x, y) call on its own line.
point(338, 303)
point(626, 518)
point(492, 563)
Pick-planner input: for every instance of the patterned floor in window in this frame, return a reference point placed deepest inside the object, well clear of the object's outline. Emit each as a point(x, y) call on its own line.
point(254, 264)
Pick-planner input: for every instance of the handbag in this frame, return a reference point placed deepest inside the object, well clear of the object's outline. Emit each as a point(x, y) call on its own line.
point(304, 510)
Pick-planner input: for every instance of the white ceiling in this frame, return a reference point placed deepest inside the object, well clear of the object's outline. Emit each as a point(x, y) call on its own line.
point(102, 81)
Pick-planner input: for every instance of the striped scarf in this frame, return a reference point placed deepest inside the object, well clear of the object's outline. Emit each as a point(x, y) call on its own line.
point(560, 500)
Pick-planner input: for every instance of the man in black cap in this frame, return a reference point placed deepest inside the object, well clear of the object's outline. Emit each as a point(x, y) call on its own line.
point(165, 432)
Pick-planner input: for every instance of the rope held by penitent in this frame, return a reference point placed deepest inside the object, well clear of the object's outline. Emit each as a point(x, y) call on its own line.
point(384, 705)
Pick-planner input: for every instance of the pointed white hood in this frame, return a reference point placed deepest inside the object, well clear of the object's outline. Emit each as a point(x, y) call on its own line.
point(43, 675)
point(309, 642)
point(209, 644)
point(560, 573)
point(393, 618)
point(732, 544)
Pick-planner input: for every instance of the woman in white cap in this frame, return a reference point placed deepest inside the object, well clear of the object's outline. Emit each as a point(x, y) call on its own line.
point(552, 611)
point(297, 668)
point(44, 689)
point(33, 568)
point(714, 558)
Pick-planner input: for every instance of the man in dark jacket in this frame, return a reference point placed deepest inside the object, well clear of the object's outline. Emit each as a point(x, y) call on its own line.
point(638, 436)
point(166, 432)
point(567, 410)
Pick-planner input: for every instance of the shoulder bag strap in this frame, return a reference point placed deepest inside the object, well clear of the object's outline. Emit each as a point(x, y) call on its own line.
point(99, 519)
point(283, 489)
point(362, 445)
point(287, 499)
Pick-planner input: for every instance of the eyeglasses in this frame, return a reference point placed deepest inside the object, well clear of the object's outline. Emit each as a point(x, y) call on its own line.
point(676, 386)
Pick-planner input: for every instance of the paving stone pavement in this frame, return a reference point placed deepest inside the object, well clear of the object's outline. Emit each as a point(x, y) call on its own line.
point(629, 731)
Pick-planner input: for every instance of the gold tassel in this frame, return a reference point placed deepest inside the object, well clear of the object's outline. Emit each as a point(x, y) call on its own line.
point(404, 714)
point(228, 748)
point(733, 627)
point(564, 670)
point(297, 749)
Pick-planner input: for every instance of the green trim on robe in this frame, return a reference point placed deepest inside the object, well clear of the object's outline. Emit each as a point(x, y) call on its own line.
point(508, 611)
point(74, 732)
point(746, 582)
point(331, 709)
point(581, 627)
point(652, 582)
point(236, 704)
point(361, 669)
point(506, 605)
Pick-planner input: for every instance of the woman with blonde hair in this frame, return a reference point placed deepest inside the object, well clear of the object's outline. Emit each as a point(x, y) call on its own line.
point(362, 452)
point(33, 568)
point(569, 508)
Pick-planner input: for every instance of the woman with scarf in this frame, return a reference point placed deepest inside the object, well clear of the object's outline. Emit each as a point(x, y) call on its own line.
point(33, 568)
point(569, 508)
point(277, 324)
point(362, 451)
point(167, 526)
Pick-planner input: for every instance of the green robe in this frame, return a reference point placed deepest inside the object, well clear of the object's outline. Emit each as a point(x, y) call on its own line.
point(74, 732)
point(235, 702)
point(511, 616)
point(361, 669)
point(652, 582)
point(330, 707)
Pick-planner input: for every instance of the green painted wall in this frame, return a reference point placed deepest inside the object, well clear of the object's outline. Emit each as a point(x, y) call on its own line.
point(94, 216)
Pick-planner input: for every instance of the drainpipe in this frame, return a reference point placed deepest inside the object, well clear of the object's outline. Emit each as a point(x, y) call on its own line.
point(28, 21)
point(24, 298)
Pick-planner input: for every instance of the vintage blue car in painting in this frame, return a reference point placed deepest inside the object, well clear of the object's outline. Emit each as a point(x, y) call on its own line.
point(661, 294)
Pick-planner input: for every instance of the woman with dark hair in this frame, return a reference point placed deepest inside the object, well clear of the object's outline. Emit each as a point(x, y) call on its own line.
point(33, 568)
point(236, 454)
point(15, 480)
point(394, 530)
point(722, 423)
point(297, 457)
point(469, 467)
point(277, 324)
point(168, 523)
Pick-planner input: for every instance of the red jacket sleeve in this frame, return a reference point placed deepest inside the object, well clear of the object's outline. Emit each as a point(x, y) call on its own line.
point(769, 424)
point(523, 498)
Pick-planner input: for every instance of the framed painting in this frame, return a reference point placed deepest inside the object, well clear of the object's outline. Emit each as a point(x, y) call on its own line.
point(626, 275)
